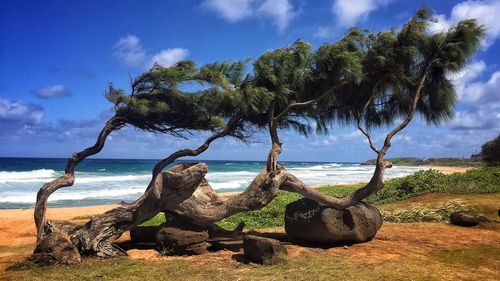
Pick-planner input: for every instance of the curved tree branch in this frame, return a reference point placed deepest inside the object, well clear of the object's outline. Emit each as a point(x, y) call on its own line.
point(377, 181)
point(365, 132)
point(228, 130)
point(68, 178)
point(272, 158)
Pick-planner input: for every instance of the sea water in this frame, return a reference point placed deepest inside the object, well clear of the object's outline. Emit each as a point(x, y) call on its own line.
point(110, 181)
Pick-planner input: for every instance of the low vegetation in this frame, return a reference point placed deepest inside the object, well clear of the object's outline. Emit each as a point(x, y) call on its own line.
point(424, 212)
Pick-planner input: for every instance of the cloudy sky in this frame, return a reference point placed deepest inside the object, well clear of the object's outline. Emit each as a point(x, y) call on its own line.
point(57, 58)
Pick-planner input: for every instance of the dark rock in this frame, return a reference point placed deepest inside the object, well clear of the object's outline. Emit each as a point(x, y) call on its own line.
point(307, 220)
point(144, 234)
point(263, 250)
point(467, 218)
point(174, 241)
point(55, 248)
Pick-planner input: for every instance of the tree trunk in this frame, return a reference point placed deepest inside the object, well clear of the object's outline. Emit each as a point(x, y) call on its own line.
point(183, 190)
point(42, 226)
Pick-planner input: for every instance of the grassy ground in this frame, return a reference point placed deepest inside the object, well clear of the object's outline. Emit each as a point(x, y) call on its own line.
point(401, 251)
point(477, 263)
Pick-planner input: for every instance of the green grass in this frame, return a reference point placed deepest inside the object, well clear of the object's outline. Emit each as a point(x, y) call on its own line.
point(470, 257)
point(475, 263)
point(155, 221)
point(477, 181)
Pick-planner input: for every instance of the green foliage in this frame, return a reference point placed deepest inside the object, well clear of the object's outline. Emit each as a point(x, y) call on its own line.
point(393, 64)
point(490, 152)
point(381, 69)
point(475, 181)
point(284, 73)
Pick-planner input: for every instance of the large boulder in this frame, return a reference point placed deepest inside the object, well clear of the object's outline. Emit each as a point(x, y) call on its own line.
point(55, 248)
point(310, 221)
point(263, 250)
point(176, 242)
point(468, 218)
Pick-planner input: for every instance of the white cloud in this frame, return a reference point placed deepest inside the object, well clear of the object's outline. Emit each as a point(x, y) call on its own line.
point(53, 91)
point(482, 117)
point(482, 92)
point(169, 57)
point(280, 12)
point(480, 100)
point(231, 10)
point(462, 79)
point(130, 52)
point(469, 90)
point(349, 12)
point(486, 12)
point(18, 112)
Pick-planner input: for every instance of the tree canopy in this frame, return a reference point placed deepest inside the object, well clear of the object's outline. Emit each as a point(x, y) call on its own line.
point(490, 151)
point(365, 76)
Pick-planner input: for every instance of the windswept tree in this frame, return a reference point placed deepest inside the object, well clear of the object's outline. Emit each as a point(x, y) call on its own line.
point(375, 80)
point(490, 152)
point(367, 79)
point(158, 103)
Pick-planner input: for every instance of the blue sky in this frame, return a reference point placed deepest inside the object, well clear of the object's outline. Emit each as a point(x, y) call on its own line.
point(58, 57)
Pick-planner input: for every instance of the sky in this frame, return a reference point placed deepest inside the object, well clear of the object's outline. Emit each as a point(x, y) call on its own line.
point(58, 57)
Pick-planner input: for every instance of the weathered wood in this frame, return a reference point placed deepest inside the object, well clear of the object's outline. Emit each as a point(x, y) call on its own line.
point(205, 207)
point(169, 188)
point(182, 190)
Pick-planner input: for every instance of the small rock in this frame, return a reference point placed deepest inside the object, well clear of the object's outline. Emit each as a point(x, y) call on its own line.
point(55, 248)
point(174, 241)
point(263, 250)
point(308, 220)
point(468, 218)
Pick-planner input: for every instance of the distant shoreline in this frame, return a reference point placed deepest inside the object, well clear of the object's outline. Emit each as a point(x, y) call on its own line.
point(435, 162)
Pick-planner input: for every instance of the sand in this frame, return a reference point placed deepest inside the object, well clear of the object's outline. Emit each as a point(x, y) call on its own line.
point(448, 170)
point(17, 227)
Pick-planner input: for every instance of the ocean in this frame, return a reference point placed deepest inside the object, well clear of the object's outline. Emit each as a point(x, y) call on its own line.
point(109, 181)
